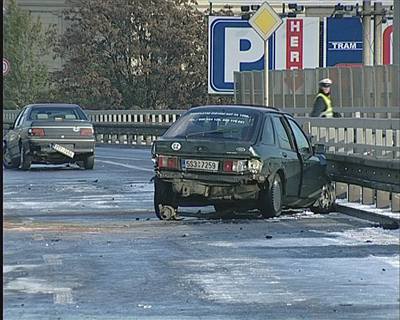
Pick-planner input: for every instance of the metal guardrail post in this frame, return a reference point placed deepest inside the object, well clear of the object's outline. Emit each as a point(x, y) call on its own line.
point(368, 196)
point(395, 202)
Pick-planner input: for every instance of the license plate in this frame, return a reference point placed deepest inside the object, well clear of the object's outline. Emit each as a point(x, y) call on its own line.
point(63, 150)
point(201, 165)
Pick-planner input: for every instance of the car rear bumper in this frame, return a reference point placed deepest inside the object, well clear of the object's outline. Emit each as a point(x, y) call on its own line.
point(211, 178)
point(41, 149)
point(212, 187)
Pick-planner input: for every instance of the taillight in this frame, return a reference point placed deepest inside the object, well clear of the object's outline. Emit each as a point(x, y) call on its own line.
point(228, 165)
point(86, 131)
point(235, 165)
point(167, 162)
point(39, 132)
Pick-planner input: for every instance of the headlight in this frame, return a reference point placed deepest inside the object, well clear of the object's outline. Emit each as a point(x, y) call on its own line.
point(255, 165)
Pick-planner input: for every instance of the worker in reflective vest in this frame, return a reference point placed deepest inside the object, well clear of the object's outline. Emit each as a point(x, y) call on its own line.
point(323, 104)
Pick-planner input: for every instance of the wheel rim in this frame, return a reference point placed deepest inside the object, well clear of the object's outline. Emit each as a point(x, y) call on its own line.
point(326, 197)
point(276, 195)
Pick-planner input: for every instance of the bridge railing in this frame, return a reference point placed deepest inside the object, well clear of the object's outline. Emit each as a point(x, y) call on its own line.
point(134, 116)
point(374, 137)
point(376, 141)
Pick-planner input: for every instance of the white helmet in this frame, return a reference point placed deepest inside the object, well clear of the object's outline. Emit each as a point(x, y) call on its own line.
point(325, 82)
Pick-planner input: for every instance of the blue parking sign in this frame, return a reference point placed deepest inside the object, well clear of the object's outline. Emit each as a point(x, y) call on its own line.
point(233, 46)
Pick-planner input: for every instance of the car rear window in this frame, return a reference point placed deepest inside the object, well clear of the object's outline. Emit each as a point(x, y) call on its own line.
point(56, 114)
point(216, 124)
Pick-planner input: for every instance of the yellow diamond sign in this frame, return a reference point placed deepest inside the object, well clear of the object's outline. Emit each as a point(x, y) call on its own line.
point(265, 21)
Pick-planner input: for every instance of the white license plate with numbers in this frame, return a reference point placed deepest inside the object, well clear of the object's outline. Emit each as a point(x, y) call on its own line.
point(63, 150)
point(206, 165)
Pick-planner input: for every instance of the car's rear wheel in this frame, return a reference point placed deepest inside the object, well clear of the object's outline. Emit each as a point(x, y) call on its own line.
point(8, 163)
point(164, 197)
point(326, 201)
point(271, 198)
point(26, 159)
point(88, 162)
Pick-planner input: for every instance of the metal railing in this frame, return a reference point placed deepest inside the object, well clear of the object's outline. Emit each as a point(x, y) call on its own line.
point(377, 137)
point(366, 86)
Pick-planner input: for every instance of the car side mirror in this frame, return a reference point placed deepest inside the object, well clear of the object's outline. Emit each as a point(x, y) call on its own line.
point(319, 148)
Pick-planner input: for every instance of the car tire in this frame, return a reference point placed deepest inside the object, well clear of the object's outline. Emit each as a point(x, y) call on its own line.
point(164, 196)
point(271, 199)
point(326, 202)
point(26, 159)
point(8, 163)
point(88, 162)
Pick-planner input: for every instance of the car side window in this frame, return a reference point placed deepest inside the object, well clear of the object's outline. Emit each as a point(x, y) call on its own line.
point(19, 118)
point(282, 134)
point(268, 132)
point(301, 140)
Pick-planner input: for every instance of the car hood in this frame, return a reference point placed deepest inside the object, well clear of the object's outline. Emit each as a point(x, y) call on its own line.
point(200, 147)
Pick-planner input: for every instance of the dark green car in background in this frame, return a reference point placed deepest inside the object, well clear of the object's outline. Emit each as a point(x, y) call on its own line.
point(234, 157)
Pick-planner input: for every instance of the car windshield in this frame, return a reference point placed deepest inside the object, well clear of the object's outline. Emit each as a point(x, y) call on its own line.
point(57, 113)
point(224, 124)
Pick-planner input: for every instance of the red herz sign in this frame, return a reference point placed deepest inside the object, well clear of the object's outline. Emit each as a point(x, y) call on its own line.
point(294, 44)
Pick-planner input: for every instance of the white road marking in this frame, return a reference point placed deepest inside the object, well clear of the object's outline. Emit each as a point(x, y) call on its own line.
point(364, 236)
point(232, 281)
point(118, 158)
point(61, 295)
point(125, 165)
point(53, 259)
point(17, 267)
point(394, 261)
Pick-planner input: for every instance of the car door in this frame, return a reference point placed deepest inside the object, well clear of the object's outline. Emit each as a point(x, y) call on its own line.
point(268, 147)
point(312, 171)
point(289, 157)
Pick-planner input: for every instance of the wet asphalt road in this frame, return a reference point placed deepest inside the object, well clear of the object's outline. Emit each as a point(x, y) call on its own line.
point(85, 245)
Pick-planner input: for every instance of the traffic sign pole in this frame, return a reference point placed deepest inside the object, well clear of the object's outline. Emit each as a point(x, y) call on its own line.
point(265, 21)
point(266, 76)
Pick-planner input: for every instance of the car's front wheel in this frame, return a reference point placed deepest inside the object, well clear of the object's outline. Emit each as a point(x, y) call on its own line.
point(26, 159)
point(8, 163)
point(164, 200)
point(271, 198)
point(326, 201)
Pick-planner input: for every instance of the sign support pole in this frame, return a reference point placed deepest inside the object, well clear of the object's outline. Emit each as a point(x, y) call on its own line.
point(265, 21)
point(266, 76)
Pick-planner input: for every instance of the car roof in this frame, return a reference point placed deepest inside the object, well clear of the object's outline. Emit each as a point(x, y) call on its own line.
point(52, 105)
point(258, 108)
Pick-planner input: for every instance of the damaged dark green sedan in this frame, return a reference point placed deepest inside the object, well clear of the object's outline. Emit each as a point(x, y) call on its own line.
point(238, 157)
